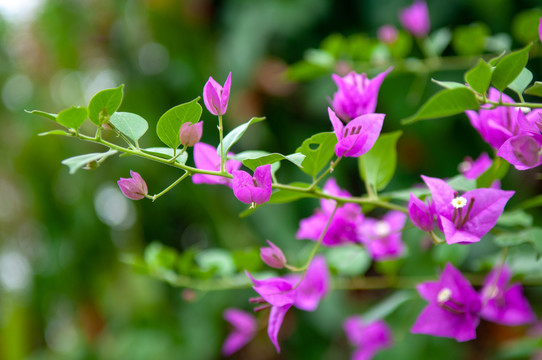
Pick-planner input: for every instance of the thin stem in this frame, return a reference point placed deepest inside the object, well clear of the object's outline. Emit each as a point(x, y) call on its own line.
point(171, 186)
point(328, 171)
point(221, 130)
point(520, 104)
point(172, 160)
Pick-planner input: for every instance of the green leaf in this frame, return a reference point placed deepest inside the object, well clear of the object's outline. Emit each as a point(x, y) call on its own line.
point(496, 59)
point(445, 103)
point(402, 46)
point(479, 77)
point(77, 162)
point(532, 202)
point(73, 117)
point(498, 43)
point(254, 154)
point(521, 82)
point(532, 236)
point(453, 253)
point(348, 260)
point(318, 150)
point(449, 84)
point(131, 125)
point(253, 163)
point(461, 183)
point(525, 25)
point(497, 171)
point(509, 68)
point(166, 153)
point(535, 89)
point(515, 218)
point(377, 166)
point(104, 104)
point(234, 135)
point(169, 124)
point(304, 70)
point(219, 260)
point(470, 39)
point(42, 114)
point(160, 257)
point(284, 196)
point(387, 306)
point(54, 132)
point(437, 42)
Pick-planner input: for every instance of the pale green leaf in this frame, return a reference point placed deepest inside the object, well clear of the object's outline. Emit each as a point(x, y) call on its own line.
point(234, 135)
point(377, 166)
point(509, 67)
point(77, 162)
point(169, 124)
point(104, 104)
point(479, 77)
point(131, 125)
point(73, 117)
point(318, 150)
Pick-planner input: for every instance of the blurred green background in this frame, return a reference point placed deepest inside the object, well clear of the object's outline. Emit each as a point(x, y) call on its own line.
point(65, 294)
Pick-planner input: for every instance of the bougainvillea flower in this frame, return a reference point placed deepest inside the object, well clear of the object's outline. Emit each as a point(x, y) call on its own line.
point(495, 125)
point(466, 218)
point(415, 18)
point(206, 158)
point(453, 307)
point(133, 188)
point(190, 134)
point(471, 169)
point(387, 34)
point(358, 136)
point(244, 329)
point(256, 189)
point(216, 97)
point(504, 303)
point(281, 293)
point(273, 256)
point(343, 226)
point(368, 338)
point(382, 238)
point(524, 149)
point(420, 213)
point(314, 287)
point(356, 94)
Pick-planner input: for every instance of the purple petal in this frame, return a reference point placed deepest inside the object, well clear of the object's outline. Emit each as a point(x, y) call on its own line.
point(436, 321)
point(276, 291)
point(226, 94)
point(337, 124)
point(415, 19)
point(211, 98)
point(243, 186)
point(511, 308)
point(315, 285)
point(472, 169)
point(276, 316)
point(522, 151)
point(441, 193)
point(420, 214)
point(371, 125)
point(540, 30)
point(262, 177)
point(241, 320)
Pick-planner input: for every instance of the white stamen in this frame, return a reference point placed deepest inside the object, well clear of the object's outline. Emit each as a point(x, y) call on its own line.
point(382, 229)
point(444, 295)
point(459, 202)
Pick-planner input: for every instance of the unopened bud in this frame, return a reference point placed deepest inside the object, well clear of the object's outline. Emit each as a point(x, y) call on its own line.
point(133, 188)
point(273, 256)
point(190, 134)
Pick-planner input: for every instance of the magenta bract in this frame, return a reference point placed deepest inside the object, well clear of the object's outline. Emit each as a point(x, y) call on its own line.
point(133, 188)
point(216, 97)
point(382, 238)
point(255, 189)
point(387, 34)
point(206, 158)
point(244, 329)
point(273, 256)
point(472, 169)
point(368, 338)
point(356, 95)
point(415, 18)
point(420, 213)
point(452, 309)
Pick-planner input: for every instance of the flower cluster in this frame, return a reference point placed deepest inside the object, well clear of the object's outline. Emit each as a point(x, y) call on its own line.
point(455, 308)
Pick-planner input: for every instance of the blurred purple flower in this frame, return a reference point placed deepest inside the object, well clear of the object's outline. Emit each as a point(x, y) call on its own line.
point(190, 133)
point(206, 158)
point(342, 228)
point(387, 34)
point(415, 18)
point(367, 338)
point(453, 307)
point(540, 29)
point(273, 256)
point(466, 218)
point(244, 329)
point(256, 189)
point(504, 303)
point(472, 169)
point(356, 94)
point(216, 97)
point(524, 149)
point(281, 293)
point(358, 136)
point(133, 188)
point(420, 213)
point(382, 238)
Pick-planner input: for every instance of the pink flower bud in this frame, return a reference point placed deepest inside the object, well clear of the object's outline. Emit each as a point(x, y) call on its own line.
point(216, 97)
point(133, 188)
point(387, 34)
point(415, 18)
point(190, 133)
point(273, 256)
point(420, 214)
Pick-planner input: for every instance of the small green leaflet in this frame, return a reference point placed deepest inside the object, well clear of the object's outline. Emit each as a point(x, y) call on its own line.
point(509, 67)
point(131, 125)
point(348, 260)
point(377, 166)
point(253, 163)
point(77, 162)
point(104, 104)
point(166, 153)
point(449, 84)
point(73, 117)
point(42, 114)
point(521, 82)
point(318, 150)
point(479, 77)
point(515, 218)
point(234, 135)
point(535, 89)
point(169, 124)
point(445, 103)
point(532, 236)
point(387, 306)
point(54, 132)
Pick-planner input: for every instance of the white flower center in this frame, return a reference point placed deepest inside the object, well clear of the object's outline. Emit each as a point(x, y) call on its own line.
point(444, 295)
point(382, 229)
point(459, 202)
